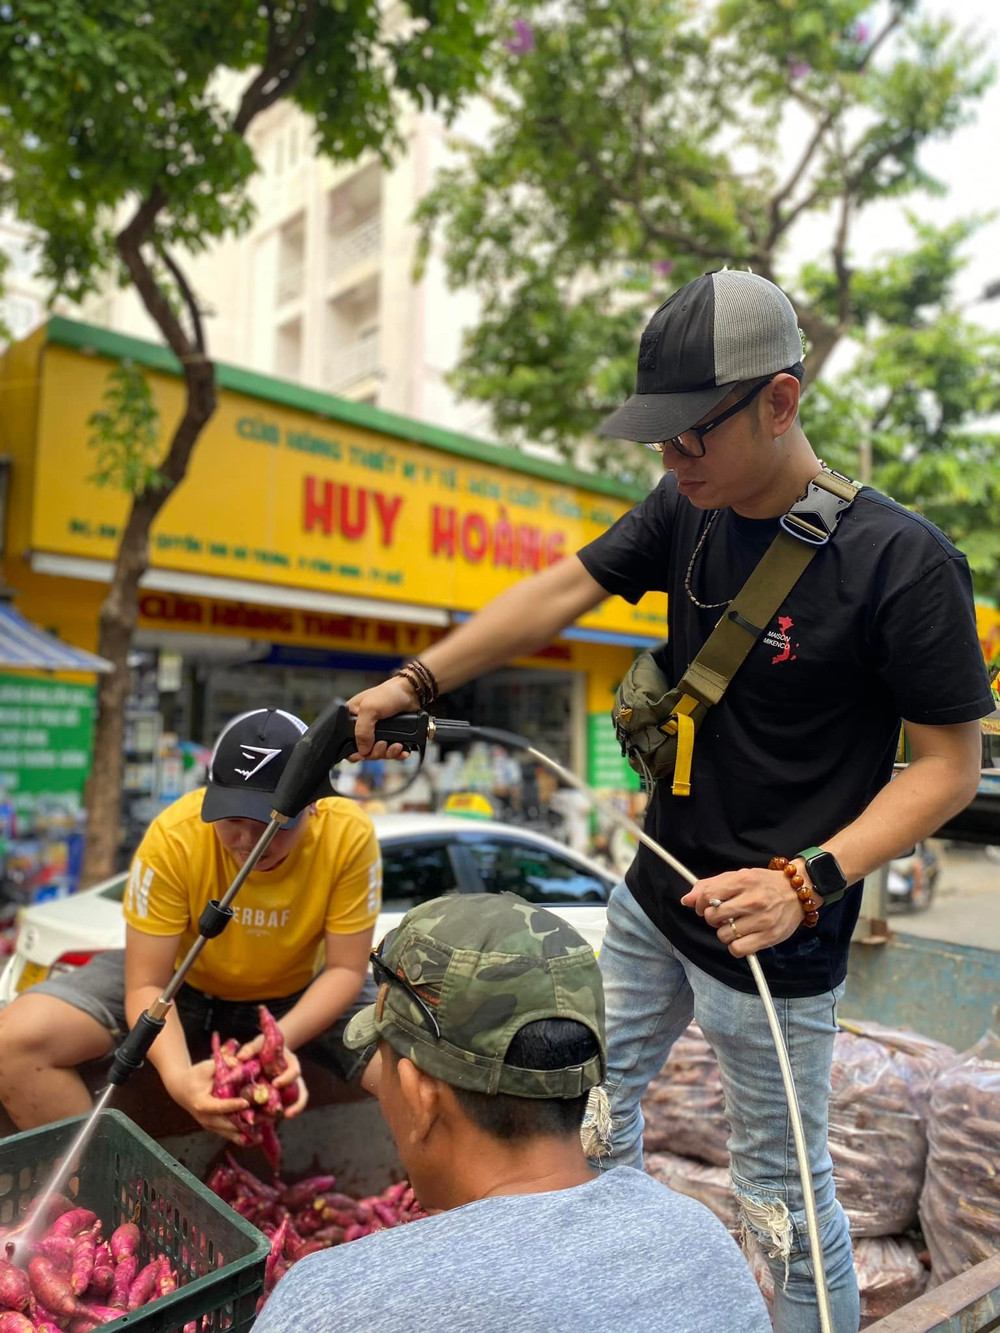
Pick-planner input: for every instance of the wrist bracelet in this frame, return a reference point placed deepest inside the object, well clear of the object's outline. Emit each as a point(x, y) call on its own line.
point(810, 907)
point(428, 677)
point(421, 680)
point(414, 682)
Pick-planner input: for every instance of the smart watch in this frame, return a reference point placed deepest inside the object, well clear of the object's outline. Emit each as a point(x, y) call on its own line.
point(828, 879)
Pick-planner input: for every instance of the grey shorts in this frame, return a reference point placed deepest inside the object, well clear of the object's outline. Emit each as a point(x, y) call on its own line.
point(98, 989)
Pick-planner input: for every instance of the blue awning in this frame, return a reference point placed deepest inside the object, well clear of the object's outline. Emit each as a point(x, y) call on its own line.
point(27, 647)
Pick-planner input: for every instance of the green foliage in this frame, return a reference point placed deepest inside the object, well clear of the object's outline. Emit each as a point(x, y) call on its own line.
point(915, 399)
point(636, 145)
point(104, 103)
point(125, 433)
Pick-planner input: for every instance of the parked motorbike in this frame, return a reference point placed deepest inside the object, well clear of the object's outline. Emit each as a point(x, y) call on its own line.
point(913, 879)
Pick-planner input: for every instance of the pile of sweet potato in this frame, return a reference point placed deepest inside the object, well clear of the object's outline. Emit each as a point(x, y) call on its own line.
point(75, 1280)
point(251, 1079)
point(308, 1216)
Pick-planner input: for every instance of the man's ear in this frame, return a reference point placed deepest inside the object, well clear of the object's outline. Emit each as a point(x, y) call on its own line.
point(421, 1095)
point(783, 404)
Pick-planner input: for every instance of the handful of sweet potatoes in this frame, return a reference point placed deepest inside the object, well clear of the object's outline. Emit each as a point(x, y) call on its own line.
point(252, 1079)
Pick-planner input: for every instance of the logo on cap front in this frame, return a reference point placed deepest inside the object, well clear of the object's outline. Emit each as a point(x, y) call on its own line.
point(249, 753)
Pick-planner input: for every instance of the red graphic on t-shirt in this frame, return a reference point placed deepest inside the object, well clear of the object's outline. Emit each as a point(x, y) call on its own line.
point(785, 623)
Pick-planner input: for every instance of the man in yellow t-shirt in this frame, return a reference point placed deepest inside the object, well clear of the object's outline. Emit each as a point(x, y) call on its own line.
point(298, 941)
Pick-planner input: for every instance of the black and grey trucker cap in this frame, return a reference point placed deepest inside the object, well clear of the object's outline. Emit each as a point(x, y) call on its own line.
point(720, 329)
point(249, 758)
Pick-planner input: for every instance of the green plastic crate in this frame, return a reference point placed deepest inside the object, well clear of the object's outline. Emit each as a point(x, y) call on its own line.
point(125, 1176)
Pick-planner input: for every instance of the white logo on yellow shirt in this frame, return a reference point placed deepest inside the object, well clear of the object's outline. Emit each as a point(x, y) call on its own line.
point(139, 884)
point(258, 920)
point(375, 885)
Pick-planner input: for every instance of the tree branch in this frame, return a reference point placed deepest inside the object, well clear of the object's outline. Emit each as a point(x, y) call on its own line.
point(780, 224)
point(129, 242)
point(281, 67)
point(188, 297)
point(638, 111)
point(840, 265)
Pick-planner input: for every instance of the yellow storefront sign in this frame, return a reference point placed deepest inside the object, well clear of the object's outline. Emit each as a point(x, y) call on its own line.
point(278, 495)
point(988, 624)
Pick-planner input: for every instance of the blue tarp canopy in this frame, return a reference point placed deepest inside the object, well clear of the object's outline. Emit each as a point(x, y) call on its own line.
point(27, 647)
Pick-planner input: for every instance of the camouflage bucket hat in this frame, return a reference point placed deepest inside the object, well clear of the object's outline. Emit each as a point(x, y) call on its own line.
point(478, 967)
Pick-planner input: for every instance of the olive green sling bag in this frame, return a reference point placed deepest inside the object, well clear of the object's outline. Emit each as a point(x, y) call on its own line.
point(656, 724)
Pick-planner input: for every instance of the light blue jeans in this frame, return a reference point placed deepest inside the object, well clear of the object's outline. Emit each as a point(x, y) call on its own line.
point(652, 992)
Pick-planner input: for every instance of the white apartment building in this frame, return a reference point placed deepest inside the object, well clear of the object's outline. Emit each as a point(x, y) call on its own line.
point(320, 288)
point(23, 294)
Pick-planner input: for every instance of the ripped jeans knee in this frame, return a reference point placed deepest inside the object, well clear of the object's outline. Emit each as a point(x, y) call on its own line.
point(783, 1235)
point(767, 1221)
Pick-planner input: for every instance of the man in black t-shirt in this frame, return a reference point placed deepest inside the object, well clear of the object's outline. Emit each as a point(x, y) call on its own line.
point(794, 761)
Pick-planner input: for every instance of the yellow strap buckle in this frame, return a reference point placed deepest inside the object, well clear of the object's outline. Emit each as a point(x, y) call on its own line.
point(681, 724)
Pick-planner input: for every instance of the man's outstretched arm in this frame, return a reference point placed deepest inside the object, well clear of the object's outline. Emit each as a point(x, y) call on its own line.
point(522, 619)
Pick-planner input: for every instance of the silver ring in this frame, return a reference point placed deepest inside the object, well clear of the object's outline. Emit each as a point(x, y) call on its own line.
point(715, 902)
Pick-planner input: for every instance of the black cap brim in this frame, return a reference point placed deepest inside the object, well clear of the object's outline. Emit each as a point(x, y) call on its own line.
point(649, 417)
point(234, 803)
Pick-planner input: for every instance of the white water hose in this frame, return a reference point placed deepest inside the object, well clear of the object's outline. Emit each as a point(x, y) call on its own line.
point(808, 1193)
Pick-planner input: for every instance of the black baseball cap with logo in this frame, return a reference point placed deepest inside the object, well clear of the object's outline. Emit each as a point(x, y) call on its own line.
point(247, 762)
point(721, 329)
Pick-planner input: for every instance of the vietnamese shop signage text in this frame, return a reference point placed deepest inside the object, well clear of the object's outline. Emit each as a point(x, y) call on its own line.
point(339, 509)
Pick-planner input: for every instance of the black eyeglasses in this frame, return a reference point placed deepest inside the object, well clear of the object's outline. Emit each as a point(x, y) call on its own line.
point(697, 450)
point(385, 976)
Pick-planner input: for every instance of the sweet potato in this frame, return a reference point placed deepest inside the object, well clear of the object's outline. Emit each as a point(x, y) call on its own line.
point(103, 1278)
point(304, 1191)
point(60, 1249)
point(358, 1230)
point(84, 1257)
point(222, 1071)
point(125, 1273)
point(270, 1144)
point(124, 1241)
point(103, 1314)
point(272, 1053)
point(166, 1278)
point(265, 1097)
point(72, 1222)
point(12, 1322)
point(253, 1183)
point(15, 1288)
point(143, 1285)
point(51, 1288)
point(46, 1326)
point(277, 1250)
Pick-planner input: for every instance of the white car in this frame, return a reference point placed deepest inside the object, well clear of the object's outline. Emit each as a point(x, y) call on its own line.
point(423, 856)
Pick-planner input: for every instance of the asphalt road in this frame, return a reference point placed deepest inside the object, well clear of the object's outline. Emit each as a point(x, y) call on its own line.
point(966, 906)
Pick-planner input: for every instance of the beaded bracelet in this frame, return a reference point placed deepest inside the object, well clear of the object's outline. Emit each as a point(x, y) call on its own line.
point(810, 907)
point(421, 680)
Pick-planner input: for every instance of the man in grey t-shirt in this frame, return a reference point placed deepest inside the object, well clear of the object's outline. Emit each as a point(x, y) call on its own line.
point(488, 1034)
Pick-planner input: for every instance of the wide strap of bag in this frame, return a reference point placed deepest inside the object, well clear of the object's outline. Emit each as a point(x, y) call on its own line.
point(806, 527)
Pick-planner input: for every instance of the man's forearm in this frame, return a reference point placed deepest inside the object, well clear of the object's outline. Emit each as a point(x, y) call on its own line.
point(169, 1052)
point(519, 621)
point(333, 991)
point(911, 807)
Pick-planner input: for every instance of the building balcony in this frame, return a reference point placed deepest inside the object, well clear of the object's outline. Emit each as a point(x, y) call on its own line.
point(353, 363)
point(291, 283)
point(351, 248)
